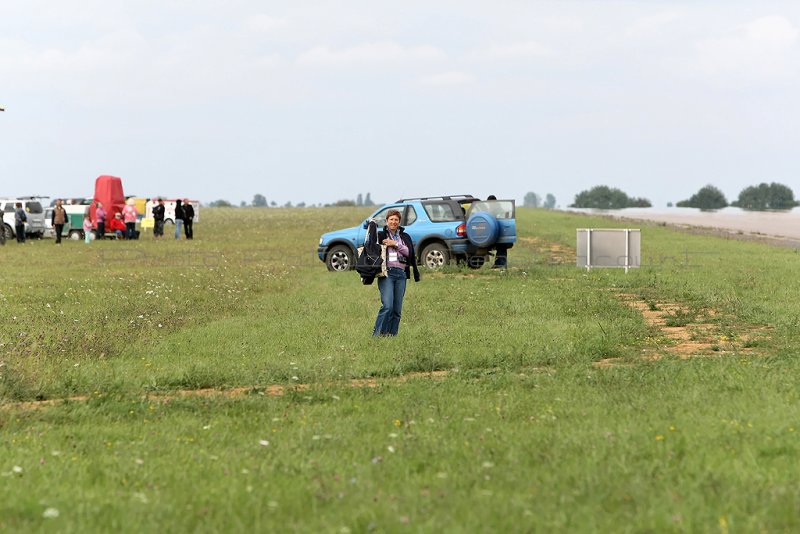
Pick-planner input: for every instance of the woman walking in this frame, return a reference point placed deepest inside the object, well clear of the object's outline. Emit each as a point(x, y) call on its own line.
point(400, 260)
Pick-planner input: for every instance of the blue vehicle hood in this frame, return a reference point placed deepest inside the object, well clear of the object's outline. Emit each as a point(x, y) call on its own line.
point(347, 234)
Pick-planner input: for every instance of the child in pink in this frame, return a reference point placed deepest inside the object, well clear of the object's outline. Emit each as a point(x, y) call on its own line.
point(87, 229)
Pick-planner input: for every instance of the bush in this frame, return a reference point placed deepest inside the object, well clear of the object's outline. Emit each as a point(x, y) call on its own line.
point(708, 198)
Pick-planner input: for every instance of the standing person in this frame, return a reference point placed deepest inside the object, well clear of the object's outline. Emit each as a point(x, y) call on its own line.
point(400, 260)
point(129, 215)
point(20, 217)
point(178, 218)
point(158, 219)
point(59, 219)
point(188, 217)
point(501, 256)
point(87, 228)
point(100, 215)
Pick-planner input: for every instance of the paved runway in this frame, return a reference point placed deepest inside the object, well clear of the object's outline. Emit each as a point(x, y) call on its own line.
point(782, 224)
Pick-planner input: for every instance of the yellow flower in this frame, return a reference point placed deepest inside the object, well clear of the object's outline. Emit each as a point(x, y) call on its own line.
point(397, 423)
point(659, 437)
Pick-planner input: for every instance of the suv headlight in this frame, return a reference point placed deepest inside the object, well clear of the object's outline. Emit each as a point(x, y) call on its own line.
point(320, 240)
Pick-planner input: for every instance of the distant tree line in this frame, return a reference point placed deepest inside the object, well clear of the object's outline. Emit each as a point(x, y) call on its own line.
point(759, 197)
point(532, 200)
point(260, 201)
point(607, 198)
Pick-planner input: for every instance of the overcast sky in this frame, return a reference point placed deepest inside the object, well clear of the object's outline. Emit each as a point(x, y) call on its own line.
point(316, 101)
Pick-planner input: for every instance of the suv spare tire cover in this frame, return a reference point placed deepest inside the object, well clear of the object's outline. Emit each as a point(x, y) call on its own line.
point(483, 229)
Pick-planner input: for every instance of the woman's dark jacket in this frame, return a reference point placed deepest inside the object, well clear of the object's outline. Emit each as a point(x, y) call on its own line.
point(411, 260)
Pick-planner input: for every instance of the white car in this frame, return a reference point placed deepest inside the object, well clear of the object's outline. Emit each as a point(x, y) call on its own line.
point(34, 226)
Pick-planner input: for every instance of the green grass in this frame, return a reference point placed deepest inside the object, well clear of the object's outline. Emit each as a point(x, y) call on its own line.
point(523, 434)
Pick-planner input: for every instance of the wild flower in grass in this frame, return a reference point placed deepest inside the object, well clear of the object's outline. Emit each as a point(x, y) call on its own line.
point(659, 437)
point(487, 465)
point(50, 513)
point(390, 449)
point(398, 423)
point(263, 443)
point(17, 470)
point(272, 504)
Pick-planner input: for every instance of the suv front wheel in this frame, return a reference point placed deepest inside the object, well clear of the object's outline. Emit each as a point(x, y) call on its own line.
point(339, 259)
point(435, 256)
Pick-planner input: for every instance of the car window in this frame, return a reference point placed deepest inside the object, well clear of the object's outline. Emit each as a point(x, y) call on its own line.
point(501, 209)
point(33, 207)
point(411, 216)
point(380, 217)
point(9, 207)
point(441, 212)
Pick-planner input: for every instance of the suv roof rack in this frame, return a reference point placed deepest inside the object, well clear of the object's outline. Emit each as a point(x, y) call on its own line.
point(443, 197)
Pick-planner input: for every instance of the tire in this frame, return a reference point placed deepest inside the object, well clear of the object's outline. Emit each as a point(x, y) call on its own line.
point(476, 262)
point(339, 259)
point(483, 230)
point(435, 256)
point(75, 235)
point(8, 232)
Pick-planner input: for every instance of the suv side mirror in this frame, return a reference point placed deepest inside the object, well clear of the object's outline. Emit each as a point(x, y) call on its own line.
point(366, 223)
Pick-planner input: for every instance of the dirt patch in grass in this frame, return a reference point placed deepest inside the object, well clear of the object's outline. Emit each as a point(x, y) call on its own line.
point(273, 390)
point(553, 253)
point(684, 332)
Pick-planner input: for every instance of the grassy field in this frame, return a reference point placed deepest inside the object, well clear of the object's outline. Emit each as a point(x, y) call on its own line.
point(529, 400)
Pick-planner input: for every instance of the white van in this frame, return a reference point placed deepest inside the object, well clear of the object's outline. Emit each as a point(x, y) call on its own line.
point(34, 226)
point(169, 210)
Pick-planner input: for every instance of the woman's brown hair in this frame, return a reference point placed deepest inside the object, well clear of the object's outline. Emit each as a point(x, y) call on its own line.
point(392, 213)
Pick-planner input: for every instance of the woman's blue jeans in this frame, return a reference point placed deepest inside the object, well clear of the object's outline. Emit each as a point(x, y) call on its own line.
point(392, 288)
point(178, 223)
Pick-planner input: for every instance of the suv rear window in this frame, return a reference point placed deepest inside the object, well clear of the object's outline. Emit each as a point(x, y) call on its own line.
point(442, 212)
point(501, 209)
point(34, 207)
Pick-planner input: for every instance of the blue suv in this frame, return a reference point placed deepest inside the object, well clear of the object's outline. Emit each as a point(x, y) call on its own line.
point(460, 227)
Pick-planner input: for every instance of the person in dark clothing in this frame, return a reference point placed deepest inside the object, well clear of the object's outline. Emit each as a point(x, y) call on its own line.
point(20, 217)
point(188, 217)
point(501, 256)
point(158, 219)
point(178, 218)
point(59, 218)
point(400, 261)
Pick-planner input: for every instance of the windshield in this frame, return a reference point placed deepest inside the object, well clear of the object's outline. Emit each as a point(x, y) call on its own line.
point(501, 209)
